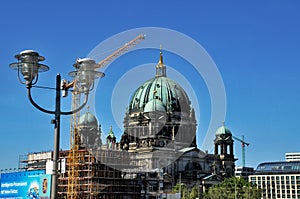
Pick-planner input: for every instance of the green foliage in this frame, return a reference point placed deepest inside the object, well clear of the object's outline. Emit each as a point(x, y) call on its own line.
point(194, 192)
point(184, 190)
point(232, 188)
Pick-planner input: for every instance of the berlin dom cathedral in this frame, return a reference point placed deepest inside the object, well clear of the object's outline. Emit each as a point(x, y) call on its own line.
point(159, 140)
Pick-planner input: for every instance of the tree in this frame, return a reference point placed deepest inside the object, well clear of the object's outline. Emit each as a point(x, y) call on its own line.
point(184, 190)
point(232, 188)
point(194, 192)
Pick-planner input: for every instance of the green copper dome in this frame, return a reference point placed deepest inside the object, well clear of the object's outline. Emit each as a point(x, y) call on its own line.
point(88, 119)
point(223, 130)
point(159, 94)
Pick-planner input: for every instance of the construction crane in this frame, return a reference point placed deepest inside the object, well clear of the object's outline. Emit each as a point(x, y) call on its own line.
point(75, 153)
point(243, 148)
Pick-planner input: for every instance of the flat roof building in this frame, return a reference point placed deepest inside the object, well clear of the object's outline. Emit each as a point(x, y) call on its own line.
point(278, 180)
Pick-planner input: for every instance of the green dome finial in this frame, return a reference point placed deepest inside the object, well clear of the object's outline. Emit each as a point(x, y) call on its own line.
point(160, 67)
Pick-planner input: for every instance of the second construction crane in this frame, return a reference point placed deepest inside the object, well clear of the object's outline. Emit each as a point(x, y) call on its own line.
point(243, 149)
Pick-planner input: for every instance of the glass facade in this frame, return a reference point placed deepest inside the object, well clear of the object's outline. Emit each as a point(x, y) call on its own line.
point(277, 167)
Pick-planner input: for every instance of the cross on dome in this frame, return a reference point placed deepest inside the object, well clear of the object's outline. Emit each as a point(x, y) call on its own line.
point(160, 67)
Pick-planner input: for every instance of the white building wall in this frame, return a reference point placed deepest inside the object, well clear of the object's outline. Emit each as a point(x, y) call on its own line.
point(276, 186)
point(292, 157)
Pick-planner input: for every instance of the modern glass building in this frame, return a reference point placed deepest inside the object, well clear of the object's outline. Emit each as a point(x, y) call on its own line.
point(278, 180)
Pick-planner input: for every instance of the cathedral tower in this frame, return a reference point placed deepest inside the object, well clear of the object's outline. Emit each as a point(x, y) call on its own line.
point(224, 149)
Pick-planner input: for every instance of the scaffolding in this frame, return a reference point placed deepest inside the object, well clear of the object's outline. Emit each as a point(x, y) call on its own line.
point(76, 156)
point(99, 173)
point(99, 180)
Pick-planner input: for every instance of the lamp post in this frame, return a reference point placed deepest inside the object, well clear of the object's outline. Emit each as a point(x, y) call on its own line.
point(84, 75)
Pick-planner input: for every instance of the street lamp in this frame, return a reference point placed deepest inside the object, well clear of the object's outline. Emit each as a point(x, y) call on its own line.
point(84, 75)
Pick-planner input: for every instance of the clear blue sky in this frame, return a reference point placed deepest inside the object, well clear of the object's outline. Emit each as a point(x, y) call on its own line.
point(255, 45)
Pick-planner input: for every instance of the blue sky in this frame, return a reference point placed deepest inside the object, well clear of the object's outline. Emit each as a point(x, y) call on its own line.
point(255, 45)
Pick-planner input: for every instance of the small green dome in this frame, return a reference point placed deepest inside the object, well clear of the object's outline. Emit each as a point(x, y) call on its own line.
point(154, 105)
point(111, 133)
point(223, 130)
point(88, 119)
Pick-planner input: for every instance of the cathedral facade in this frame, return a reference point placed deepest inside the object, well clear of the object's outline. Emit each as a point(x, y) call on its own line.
point(160, 133)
